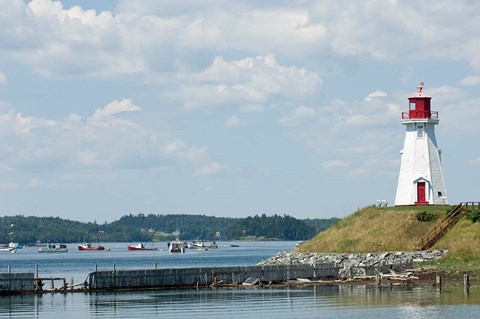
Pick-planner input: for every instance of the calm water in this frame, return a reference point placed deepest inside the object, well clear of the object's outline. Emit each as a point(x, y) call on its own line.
point(344, 301)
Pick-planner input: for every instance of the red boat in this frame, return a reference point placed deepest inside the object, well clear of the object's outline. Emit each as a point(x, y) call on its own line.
point(87, 246)
point(141, 246)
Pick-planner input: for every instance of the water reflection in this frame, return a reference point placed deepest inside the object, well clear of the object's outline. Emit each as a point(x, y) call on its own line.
point(335, 301)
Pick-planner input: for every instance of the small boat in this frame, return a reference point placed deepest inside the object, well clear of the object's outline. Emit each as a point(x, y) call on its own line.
point(88, 246)
point(7, 249)
point(15, 245)
point(53, 248)
point(141, 246)
point(176, 246)
point(197, 245)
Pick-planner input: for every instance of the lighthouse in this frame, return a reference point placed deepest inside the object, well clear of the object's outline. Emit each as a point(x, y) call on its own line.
point(420, 181)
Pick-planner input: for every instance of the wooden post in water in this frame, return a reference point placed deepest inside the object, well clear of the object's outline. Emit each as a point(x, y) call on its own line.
point(438, 283)
point(378, 279)
point(466, 284)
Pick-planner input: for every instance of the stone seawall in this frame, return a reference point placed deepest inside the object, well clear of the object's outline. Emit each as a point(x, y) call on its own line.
point(352, 264)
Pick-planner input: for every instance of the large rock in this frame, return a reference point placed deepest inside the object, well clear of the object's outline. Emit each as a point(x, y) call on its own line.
point(355, 264)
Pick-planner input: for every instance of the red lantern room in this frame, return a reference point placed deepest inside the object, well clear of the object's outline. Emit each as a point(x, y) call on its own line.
point(419, 106)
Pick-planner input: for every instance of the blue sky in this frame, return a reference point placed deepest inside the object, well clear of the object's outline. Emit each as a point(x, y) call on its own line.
point(228, 108)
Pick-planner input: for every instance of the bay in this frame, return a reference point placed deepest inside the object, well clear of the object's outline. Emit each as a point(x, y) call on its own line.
point(328, 301)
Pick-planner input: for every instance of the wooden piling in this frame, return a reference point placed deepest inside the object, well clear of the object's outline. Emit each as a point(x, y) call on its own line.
point(378, 279)
point(466, 284)
point(438, 283)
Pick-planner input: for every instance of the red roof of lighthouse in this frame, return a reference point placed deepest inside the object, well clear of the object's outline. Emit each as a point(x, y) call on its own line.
point(419, 106)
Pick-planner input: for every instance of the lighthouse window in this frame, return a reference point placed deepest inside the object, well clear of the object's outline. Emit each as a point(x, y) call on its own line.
point(439, 194)
point(412, 106)
point(420, 131)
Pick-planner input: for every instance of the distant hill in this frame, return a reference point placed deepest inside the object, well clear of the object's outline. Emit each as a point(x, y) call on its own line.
point(157, 227)
point(374, 229)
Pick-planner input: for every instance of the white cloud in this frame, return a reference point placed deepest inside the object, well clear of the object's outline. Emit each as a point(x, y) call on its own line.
point(250, 81)
point(100, 141)
point(211, 169)
point(36, 182)
point(444, 94)
point(476, 162)
point(298, 114)
point(3, 78)
point(461, 117)
point(235, 121)
point(253, 108)
point(334, 164)
point(375, 95)
point(472, 49)
point(472, 80)
point(8, 185)
point(263, 171)
point(153, 39)
point(196, 153)
point(173, 146)
point(114, 108)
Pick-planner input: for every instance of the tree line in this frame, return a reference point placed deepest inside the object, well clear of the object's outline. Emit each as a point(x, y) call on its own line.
point(158, 227)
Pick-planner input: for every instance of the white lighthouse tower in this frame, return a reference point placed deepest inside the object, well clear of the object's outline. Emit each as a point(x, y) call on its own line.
point(421, 179)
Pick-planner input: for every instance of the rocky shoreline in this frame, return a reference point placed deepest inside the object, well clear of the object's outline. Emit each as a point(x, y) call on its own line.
point(354, 264)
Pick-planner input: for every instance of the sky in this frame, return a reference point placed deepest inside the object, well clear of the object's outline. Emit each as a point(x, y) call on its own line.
point(228, 108)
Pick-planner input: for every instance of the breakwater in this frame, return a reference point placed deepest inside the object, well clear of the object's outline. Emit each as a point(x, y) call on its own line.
point(352, 265)
point(207, 276)
point(16, 282)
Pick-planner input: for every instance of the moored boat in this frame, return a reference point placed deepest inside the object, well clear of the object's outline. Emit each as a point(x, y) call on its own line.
point(15, 245)
point(7, 249)
point(197, 245)
point(141, 246)
point(88, 246)
point(176, 246)
point(53, 248)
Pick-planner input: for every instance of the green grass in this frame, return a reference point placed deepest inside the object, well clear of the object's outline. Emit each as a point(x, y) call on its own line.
point(375, 229)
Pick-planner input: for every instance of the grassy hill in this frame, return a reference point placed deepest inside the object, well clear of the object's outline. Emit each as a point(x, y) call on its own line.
point(374, 229)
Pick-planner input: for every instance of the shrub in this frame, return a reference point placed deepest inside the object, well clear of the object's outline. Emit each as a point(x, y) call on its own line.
point(473, 215)
point(425, 217)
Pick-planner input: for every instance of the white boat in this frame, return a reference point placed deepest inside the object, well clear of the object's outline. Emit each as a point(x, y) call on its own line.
point(15, 245)
point(53, 248)
point(176, 246)
point(197, 245)
point(7, 249)
point(202, 245)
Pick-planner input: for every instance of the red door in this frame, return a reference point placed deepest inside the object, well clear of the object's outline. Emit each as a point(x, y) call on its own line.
point(421, 194)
